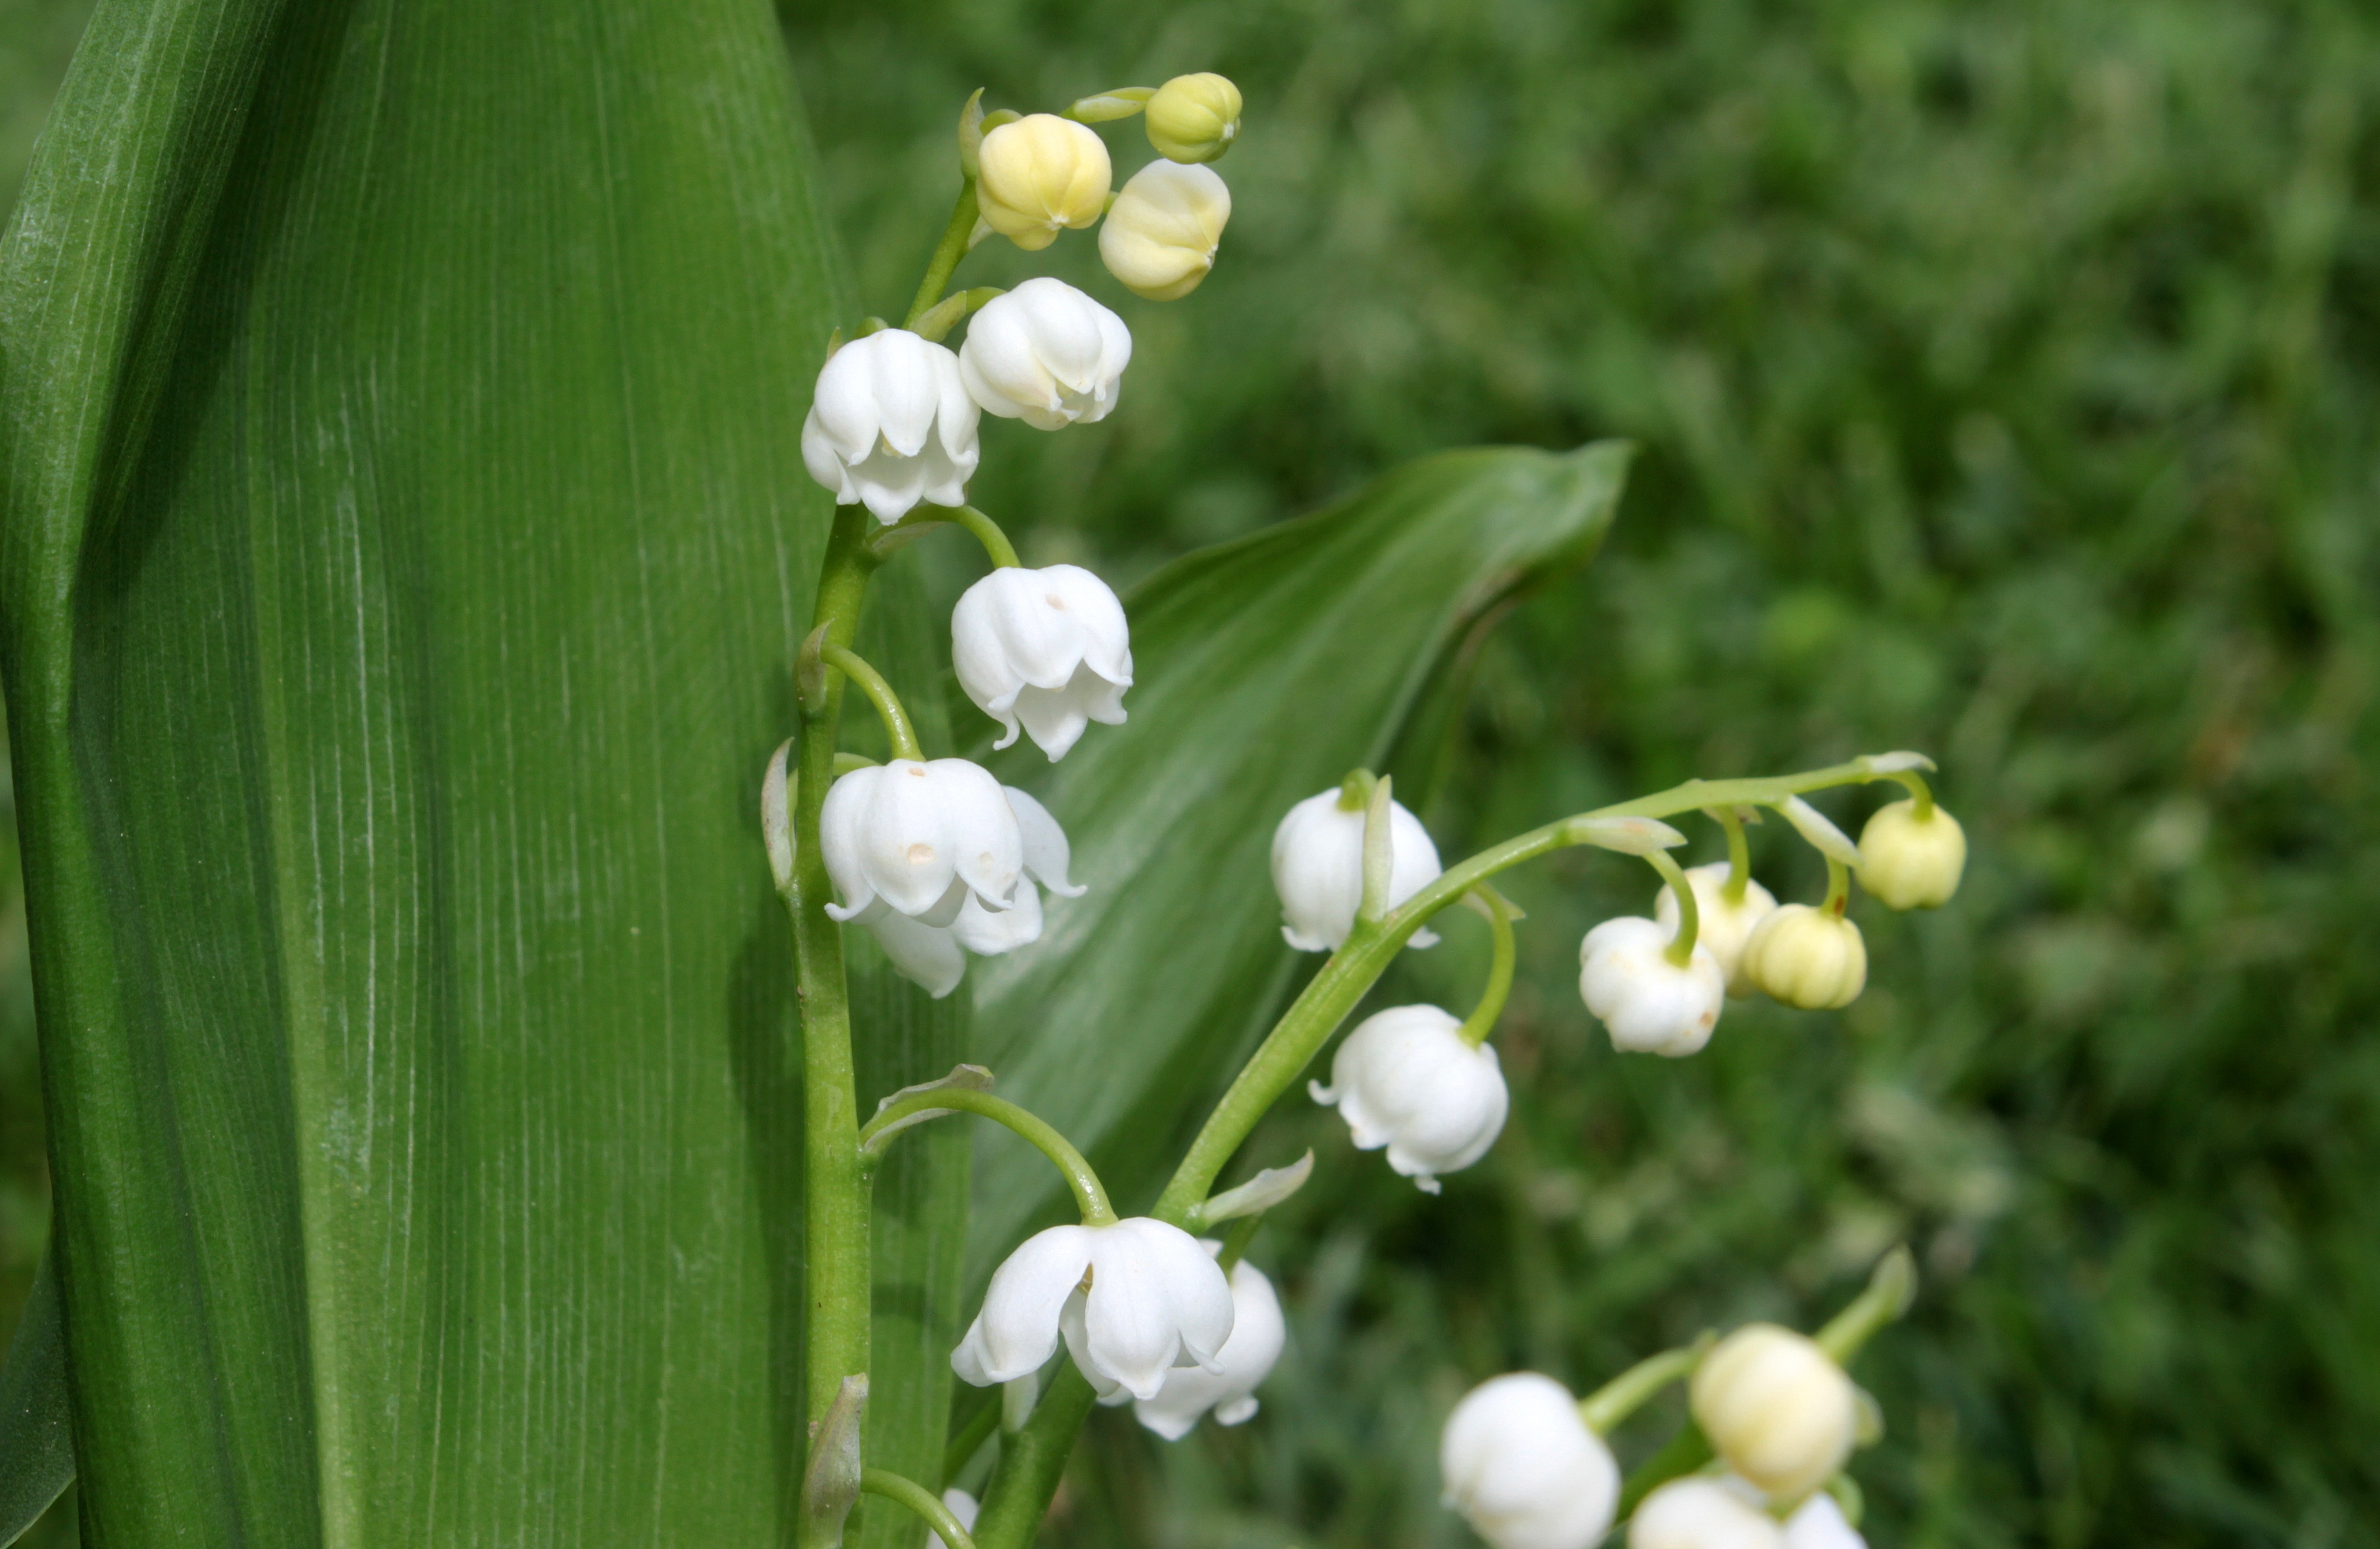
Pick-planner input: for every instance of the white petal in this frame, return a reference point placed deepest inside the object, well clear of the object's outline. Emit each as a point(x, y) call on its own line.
point(989, 933)
point(903, 836)
point(908, 388)
point(1017, 1329)
point(825, 464)
point(844, 403)
point(920, 952)
point(1107, 636)
point(1819, 1523)
point(1047, 855)
point(1155, 1298)
point(839, 823)
point(1521, 1465)
point(981, 829)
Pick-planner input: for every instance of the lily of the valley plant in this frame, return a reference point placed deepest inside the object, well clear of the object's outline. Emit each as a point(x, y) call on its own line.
point(938, 860)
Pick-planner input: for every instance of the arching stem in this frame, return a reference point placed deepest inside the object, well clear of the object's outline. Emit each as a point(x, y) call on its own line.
point(918, 1498)
point(1923, 792)
point(947, 253)
point(877, 1133)
point(1605, 1408)
point(897, 730)
point(1482, 1019)
point(1739, 853)
point(1838, 888)
point(1680, 949)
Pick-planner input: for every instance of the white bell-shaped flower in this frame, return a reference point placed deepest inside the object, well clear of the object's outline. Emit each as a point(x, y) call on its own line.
point(1160, 239)
point(1247, 1358)
point(1317, 869)
point(1819, 1523)
point(932, 955)
point(1523, 1469)
point(890, 424)
point(1911, 862)
point(1776, 1408)
point(1811, 958)
point(1404, 1079)
point(1046, 354)
point(1700, 1512)
point(1133, 1300)
point(922, 837)
point(1651, 1005)
point(1726, 927)
point(961, 1505)
point(1046, 648)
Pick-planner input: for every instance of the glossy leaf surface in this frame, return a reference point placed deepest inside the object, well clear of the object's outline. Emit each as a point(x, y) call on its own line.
point(405, 541)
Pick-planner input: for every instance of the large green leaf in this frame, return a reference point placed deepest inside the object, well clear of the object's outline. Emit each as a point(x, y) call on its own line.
point(36, 1424)
point(1266, 669)
point(404, 542)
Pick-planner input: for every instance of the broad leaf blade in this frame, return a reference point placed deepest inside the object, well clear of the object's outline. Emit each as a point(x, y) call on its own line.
point(36, 1425)
point(405, 540)
point(1266, 670)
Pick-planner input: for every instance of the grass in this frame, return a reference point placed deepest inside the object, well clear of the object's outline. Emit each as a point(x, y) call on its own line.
point(2005, 375)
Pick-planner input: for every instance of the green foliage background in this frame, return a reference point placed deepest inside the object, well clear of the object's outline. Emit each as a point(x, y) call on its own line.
point(2006, 376)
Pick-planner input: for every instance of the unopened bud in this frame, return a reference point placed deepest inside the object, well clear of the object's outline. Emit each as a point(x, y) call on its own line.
point(1194, 118)
point(1040, 176)
point(1911, 861)
point(1805, 957)
point(1161, 237)
point(1776, 1408)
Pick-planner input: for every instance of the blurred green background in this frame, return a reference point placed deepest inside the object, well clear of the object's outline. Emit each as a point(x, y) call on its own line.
point(2006, 380)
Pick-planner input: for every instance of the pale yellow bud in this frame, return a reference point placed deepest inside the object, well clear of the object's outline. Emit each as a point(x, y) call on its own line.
point(1776, 1408)
point(1039, 176)
point(1161, 237)
point(1911, 862)
point(1805, 957)
point(1194, 118)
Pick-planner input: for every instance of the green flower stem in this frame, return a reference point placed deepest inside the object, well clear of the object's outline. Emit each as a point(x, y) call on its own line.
point(1482, 1020)
point(1921, 792)
point(1839, 889)
point(1370, 948)
point(871, 682)
point(918, 1498)
point(1739, 853)
point(1236, 1241)
point(971, 1437)
point(985, 530)
point(1680, 949)
point(1379, 856)
point(879, 1132)
point(1605, 1408)
point(834, 1260)
point(1889, 1291)
point(1031, 1462)
point(947, 253)
point(1028, 1472)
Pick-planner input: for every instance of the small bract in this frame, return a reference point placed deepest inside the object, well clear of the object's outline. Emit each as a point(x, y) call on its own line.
point(1776, 1408)
point(890, 424)
point(1726, 924)
point(1046, 354)
point(1160, 239)
point(1246, 1359)
point(1317, 869)
point(1046, 648)
point(1039, 176)
point(1811, 958)
point(1650, 1005)
point(1523, 1469)
point(1133, 1300)
point(1406, 1079)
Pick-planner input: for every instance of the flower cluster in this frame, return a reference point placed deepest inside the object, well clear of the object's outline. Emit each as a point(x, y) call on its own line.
point(1526, 1463)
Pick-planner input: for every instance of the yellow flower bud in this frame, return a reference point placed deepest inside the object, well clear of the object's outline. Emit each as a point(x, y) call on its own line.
point(1039, 176)
point(1776, 1408)
point(1161, 237)
point(1805, 957)
point(1194, 118)
point(1911, 862)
